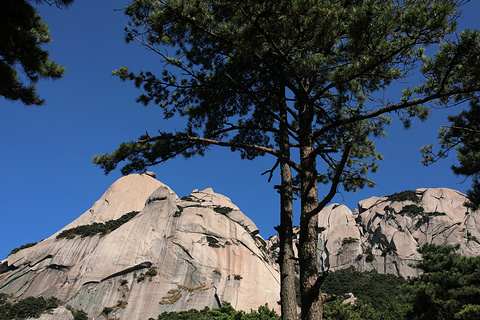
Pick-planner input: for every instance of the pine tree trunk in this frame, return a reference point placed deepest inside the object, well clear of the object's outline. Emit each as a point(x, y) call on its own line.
point(308, 256)
point(308, 253)
point(288, 299)
point(286, 259)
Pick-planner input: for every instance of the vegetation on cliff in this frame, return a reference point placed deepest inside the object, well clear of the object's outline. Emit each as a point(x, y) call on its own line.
point(225, 312)
point(27, 308)
point(97, 228)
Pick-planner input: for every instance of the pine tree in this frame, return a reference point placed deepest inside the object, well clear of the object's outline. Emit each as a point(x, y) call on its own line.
point(22, 36)
point(302, 81)
point(449, 287)
point(463, 134)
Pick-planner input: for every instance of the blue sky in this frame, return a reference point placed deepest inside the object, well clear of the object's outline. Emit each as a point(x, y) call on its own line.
point(48, 179)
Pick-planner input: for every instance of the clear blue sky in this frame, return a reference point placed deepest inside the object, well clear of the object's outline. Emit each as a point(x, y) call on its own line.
point(48, 179)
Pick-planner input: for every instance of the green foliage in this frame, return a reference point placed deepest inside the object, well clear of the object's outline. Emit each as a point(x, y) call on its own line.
point(222, 210)
point(23, 53)
point(4, 267)
point(369, 287)
point(449, 287)
point(213, 242)
point(407, 195)
point(349, 240)
point(3, 298)
point(28, 245)
point(469, 312)
point(78, 314)
point(27, 308)
point(188, 198)
point(413, 211)
point(462, 135)
point(179, 211)
point(107, 310)
point(361, 311)
point(369, 257)
point(470, 237)
point(225, 312)
point(97, 228)
point(151, 272)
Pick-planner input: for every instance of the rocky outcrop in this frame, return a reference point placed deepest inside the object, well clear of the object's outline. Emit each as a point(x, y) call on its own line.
point(175, 254)
point(383, 233)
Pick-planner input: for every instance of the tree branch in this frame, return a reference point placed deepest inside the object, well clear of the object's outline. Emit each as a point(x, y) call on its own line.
point(391, 108)
point(246, 146)
point(335, 181)
point(270, 172)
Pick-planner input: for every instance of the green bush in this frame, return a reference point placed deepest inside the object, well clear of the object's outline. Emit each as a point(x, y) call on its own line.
point(369, 287)
point(404, 196)
point(225, 312)
point(107, 310)
point(28, 245)
point(140, 278)
point(188, 198)
point(79, 314)
point(3, 298)
point(213, 242)
point(222, 210)
point(349, 240)
point(29, 307)
point(337, 310)
point(179, 211)
point(449, 287)
point(97, 228)
point(151, 272)
point(369, 257)
point(412, 210)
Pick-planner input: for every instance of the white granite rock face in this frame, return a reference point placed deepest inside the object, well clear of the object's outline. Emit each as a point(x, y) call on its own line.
point(176, 254)
point(384, 235)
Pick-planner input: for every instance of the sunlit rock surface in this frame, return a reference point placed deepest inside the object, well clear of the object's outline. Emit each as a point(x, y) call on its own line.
point(384, 235)
point(176, 254)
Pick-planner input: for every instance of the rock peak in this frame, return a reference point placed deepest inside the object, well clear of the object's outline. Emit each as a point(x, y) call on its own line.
point(384, 232)
point(173, 255)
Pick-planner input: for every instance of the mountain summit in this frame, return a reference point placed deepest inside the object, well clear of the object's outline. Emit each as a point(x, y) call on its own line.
point(140, 250)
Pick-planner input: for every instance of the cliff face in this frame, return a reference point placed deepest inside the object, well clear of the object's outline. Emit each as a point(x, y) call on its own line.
point(384, 232)
point(175, 254)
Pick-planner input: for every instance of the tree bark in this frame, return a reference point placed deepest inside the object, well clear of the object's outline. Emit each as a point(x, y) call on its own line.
point(288, 300)
point(308, 253)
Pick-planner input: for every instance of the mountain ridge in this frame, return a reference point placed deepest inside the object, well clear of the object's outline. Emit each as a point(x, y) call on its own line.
point(201, 250)
point(383, 233)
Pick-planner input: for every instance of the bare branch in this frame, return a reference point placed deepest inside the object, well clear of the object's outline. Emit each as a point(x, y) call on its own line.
point(270, 172)
point(335, 181)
